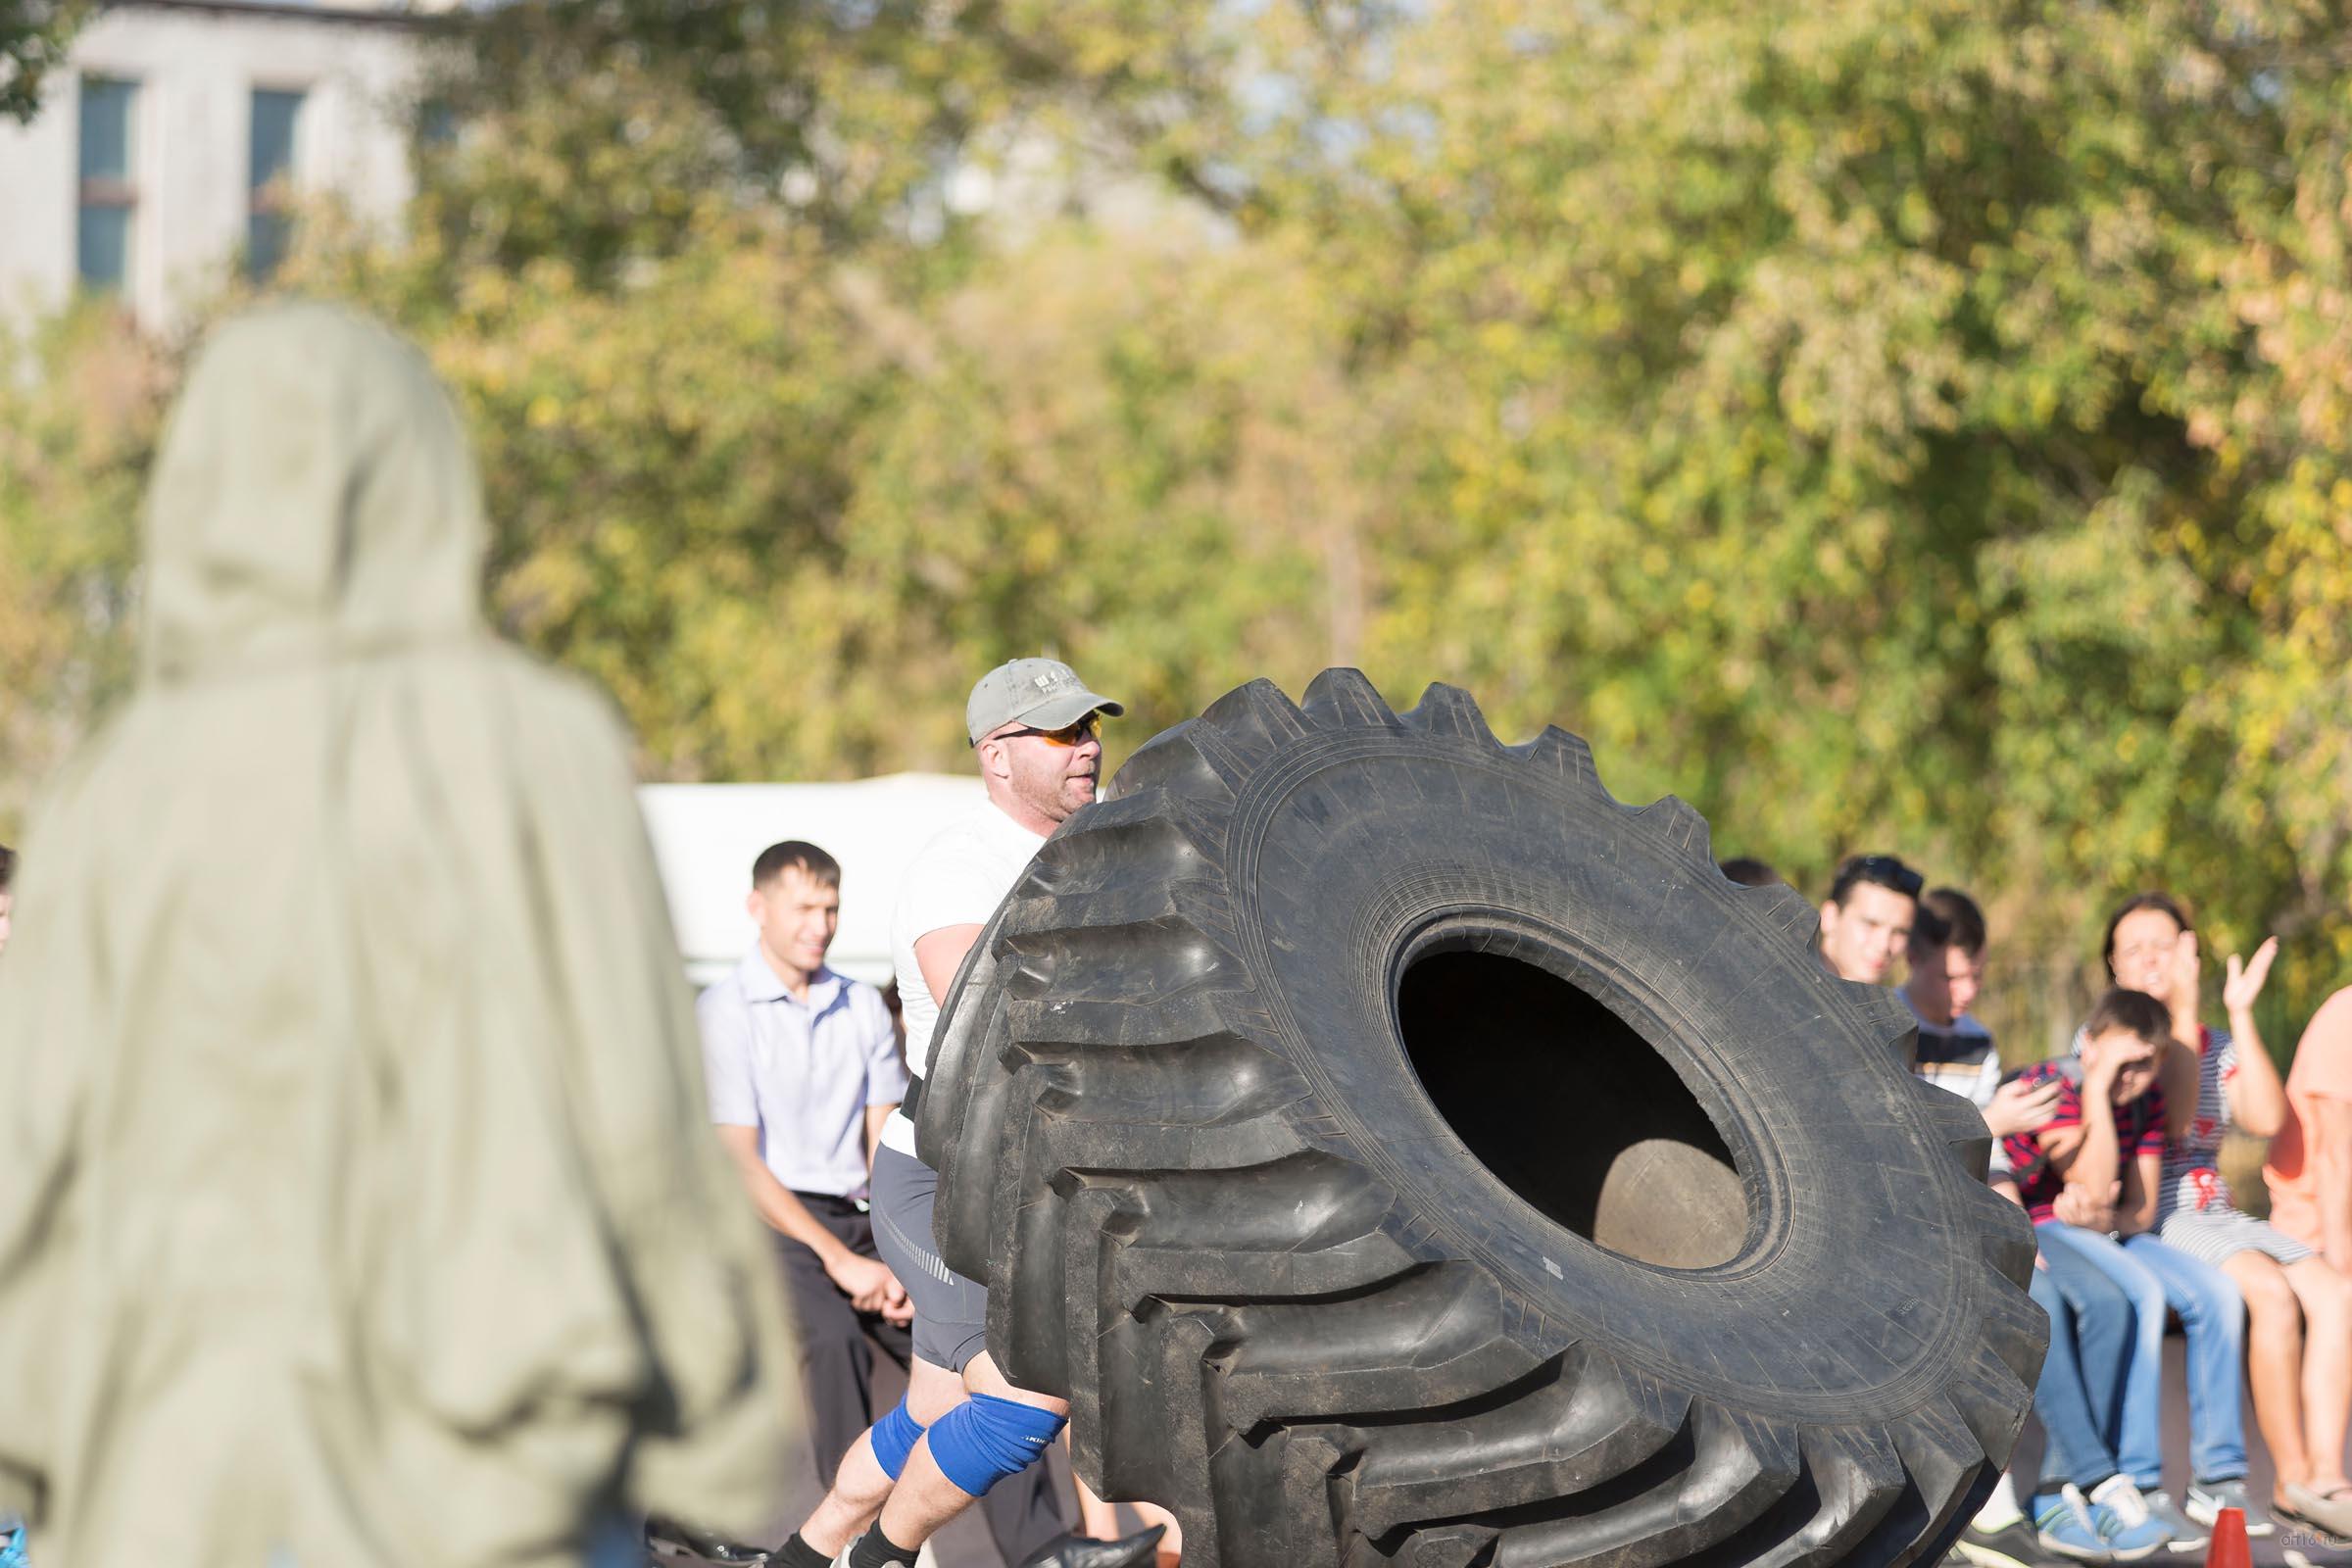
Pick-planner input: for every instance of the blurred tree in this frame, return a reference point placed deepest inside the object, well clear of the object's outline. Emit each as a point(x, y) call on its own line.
point(1894, 424)
point(33, 37)
point(1147, 478)
point(870, 120)
point(80, 417)
point(1890, 425)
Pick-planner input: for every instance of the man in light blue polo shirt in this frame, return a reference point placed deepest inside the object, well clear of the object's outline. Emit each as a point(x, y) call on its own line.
point(804, 1065)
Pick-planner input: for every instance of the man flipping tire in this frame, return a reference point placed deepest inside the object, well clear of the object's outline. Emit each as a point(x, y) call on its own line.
point(962, 1426)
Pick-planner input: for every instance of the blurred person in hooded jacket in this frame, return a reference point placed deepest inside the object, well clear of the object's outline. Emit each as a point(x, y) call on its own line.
point(359, 1207)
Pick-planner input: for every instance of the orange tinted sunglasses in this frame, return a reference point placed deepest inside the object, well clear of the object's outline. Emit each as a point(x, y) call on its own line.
point(1070, 735)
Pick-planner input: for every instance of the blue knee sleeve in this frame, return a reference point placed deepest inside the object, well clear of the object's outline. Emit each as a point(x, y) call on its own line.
point(985, 1439)
point(894, 1438)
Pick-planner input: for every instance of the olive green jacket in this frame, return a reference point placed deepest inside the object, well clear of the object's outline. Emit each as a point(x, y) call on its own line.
point(358, 1201)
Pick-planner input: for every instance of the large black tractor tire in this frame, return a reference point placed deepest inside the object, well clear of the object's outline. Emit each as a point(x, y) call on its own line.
point(1398, 1152)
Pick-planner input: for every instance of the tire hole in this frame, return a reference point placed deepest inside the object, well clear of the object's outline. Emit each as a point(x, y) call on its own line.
point(1566, 1105)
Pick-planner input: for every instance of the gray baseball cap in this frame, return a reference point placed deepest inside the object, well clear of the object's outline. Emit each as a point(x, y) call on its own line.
point(1041, 693)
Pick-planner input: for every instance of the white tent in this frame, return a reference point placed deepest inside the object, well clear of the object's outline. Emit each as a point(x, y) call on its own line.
point(706, 837)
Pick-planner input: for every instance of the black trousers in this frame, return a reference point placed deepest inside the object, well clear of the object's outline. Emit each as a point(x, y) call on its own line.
point(838, 1343)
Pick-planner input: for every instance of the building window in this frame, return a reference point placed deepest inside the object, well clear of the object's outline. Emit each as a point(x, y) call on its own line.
point(108, 200)
point(269, 176)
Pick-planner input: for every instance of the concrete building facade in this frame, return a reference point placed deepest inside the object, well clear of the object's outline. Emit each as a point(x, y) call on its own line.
point(165, 151)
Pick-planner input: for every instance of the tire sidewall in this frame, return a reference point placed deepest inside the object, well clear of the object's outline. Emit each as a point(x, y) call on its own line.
point(1848, 1299)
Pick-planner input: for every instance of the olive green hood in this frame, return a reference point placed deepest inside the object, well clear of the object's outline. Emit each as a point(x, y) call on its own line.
point(360, 1197)
point(315, 493)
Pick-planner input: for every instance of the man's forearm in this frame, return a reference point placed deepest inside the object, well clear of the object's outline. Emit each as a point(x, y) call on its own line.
point(785, 1213)
point(2143, 1185)
point(775, 1203)
point(2097, 1164)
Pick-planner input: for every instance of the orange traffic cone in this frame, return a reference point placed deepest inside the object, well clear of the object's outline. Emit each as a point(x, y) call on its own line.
point(2229, 1548)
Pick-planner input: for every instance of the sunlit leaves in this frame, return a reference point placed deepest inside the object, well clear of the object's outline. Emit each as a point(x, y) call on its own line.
point(1889, 423)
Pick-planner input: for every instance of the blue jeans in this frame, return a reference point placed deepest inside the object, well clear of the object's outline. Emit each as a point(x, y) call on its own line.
point(2155, 1276)
point(2080, 1397)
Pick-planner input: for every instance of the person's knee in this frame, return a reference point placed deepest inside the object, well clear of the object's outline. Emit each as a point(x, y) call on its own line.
point(2269, 1300)
point(932, 1392)
point(894, 1438)
point(2328, 1297)
point(985, 1438)
point(2149, 1304)
point(2093, 1294)
point(981, 1375)
point(2212, 1302)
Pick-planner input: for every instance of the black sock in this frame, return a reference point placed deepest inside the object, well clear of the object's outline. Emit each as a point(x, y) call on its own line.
point(798, 1553)
point(874, 1549)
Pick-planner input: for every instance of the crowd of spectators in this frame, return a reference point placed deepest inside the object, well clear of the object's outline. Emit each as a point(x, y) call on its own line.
point(2113, 1149)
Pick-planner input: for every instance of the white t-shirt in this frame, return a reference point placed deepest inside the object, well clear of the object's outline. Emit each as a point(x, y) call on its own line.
point(959, 878)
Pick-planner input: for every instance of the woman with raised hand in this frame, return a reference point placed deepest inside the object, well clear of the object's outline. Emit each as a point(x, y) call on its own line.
point(2298, 1310)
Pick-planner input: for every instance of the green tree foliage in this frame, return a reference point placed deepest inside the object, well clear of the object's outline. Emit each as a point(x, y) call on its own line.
point(1153, 494)
point(33, 37)
point(1881, 422)
point(80, 416)
point(1913, 425)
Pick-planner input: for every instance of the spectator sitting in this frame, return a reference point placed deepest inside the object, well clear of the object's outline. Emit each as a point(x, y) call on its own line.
point(2090, 1319)
point(2298, 1310)
point(7, 874)
point(2090, 1180)
point(1955, 1052)
point(2078, 1399)
point(1946, 952)
point(1867, 917)
point(2310, 1168)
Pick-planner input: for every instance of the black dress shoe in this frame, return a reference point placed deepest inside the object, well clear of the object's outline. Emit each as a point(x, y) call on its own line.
point(1131, 1552)
point(671, 1534)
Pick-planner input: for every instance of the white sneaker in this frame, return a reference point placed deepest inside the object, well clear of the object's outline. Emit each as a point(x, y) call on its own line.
point(2125, 1527)
point(2207, 1500)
